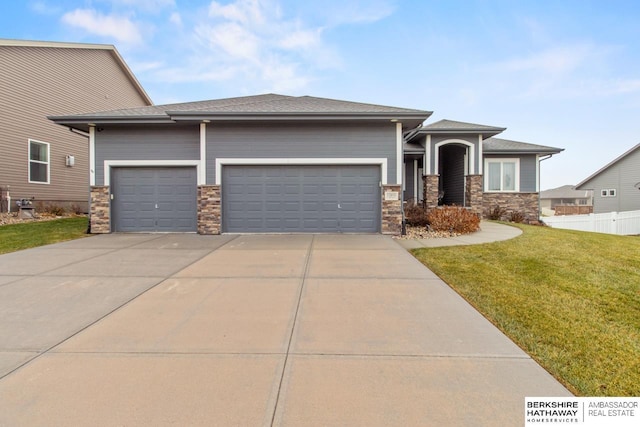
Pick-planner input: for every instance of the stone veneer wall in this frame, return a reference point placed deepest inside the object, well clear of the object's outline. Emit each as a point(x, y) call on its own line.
point(209, 209)
point(526, 203)
point(392, 211)
point(473, 193)
point(430, 191)
point(100, 210)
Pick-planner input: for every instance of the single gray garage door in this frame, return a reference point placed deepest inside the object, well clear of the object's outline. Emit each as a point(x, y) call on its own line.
point(295, 199)
point(154, 199)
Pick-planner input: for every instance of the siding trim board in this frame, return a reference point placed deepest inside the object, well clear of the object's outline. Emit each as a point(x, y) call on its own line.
point(92, 156)
point(399, 156)
point(108, 164)
point(382, 162)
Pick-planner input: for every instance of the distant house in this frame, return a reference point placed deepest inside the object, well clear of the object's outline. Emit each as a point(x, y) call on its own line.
point(566, 200)
point(40, 160)
point(616, 187)
point(278, 164)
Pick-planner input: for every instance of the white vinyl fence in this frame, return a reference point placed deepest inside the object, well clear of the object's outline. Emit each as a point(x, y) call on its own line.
point(623, 223)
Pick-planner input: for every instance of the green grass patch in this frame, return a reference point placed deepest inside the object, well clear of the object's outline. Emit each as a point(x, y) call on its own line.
point(16, 237)
point(570, 299)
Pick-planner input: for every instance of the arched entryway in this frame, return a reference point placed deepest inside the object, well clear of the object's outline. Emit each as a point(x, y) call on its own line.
point(452, 167)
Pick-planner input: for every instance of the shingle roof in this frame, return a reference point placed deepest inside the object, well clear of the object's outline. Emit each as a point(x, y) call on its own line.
point(565, 192)
point(453, 127)
point(504, 146)
point(608, 165)
point(259, 104)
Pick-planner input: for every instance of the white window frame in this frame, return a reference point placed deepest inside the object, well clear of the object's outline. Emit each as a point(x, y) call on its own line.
point(608, 192)
point(516, 186)
point(48, 162)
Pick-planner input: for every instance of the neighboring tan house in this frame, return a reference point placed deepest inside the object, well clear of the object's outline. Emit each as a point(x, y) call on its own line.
point(566, 200)
point(616, 187)
point(274, 163)
point(39, 160)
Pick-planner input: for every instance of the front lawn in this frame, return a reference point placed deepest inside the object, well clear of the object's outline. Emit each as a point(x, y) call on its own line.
point(15, 237)
point(570, 299)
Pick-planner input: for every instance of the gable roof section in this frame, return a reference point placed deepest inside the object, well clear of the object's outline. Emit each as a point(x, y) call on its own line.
point(259, 107)
point(450, 127)
point(506, 146)
point(63, 45)
point(607, 166)
point(565, 192)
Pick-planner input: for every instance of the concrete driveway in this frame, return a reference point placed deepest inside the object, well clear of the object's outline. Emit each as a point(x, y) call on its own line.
point(285, 330)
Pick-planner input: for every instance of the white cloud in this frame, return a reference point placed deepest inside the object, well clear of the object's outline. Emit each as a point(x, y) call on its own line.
point(176, 19)
point(147, 5)
point(250, 41)
point(232, 39)
point(552, 61)
point(120, 28)
point(248, 12)
point(567, 71)
point(44, 8)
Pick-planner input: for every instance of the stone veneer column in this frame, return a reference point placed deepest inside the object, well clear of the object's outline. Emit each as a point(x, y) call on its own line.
point(209, 209)
point(392, 210)
point(473, 193)
point(430, 191)
point(100, 211)
point(525, 203)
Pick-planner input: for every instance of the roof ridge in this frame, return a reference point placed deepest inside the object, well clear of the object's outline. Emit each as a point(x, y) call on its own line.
point(464, 123)
point(255, 101)
point(358, 103)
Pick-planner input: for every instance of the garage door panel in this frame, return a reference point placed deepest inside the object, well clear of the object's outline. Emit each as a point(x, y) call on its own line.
point(310, 198)
point(152, 199)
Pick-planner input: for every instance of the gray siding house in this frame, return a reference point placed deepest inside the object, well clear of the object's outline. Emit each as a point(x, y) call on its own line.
point(464, 164)
point(616, 187)
point(40, 160)
point(279, 164)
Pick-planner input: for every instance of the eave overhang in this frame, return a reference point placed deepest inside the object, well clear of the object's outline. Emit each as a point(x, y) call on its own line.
point(408, 120)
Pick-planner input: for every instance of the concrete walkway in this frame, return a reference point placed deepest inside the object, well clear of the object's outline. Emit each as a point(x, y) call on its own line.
point(289, 330)
point(489, 232)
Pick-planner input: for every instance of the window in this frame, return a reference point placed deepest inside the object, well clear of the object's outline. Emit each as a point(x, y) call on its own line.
point(502, 175)
point(608, 192)
point(38, 162)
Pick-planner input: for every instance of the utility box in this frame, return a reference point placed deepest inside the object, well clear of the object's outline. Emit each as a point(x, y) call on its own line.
point(25, 209)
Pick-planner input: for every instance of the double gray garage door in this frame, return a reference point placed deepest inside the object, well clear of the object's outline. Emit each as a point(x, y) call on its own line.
point(255, 199)
point(309, 198)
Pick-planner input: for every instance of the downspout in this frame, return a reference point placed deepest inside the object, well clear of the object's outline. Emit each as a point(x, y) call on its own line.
point(88, 136)
point(540, 159)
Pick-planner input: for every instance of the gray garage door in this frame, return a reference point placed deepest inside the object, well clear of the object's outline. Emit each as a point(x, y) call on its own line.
point(313, 199)
point(154, 199)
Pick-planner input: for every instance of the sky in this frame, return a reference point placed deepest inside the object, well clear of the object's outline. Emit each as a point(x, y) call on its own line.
point(562, 73)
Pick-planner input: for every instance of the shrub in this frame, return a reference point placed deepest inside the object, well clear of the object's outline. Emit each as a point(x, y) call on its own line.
point(497, 213)
point(415, 215)
point(76, 209)
point(517, 217)
point(454, 219)
point(55, 210)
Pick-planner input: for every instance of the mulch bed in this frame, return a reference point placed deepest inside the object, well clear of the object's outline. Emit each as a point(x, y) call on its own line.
point(12, 218)
point(424, 233)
